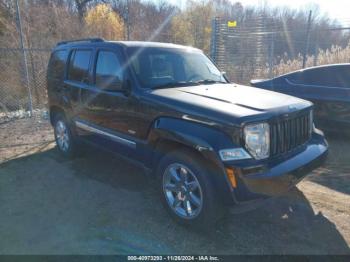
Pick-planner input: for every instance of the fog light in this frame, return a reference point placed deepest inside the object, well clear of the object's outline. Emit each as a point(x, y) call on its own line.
point(233, 154)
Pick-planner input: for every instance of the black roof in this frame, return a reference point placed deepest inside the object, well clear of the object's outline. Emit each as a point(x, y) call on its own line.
point(141, 44)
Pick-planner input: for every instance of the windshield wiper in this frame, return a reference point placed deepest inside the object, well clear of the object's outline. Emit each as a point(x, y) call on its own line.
point(210, 81)
point(176, 84)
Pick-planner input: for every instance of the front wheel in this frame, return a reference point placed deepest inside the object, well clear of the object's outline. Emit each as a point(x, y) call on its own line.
point(187, 191)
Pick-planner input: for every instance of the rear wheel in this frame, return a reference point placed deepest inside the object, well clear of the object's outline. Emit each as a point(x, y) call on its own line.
point(65, 140)
point(187, 191)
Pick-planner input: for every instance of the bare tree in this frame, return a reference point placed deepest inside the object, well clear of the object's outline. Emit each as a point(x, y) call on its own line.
point(81, 6)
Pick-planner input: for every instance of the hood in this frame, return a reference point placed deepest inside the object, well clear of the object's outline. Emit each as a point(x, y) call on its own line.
point(232, 100)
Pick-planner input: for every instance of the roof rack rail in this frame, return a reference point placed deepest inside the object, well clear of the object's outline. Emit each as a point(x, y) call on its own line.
point(91, 40)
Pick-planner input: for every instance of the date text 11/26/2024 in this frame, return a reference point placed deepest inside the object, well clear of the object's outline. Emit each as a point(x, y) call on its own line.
point(173, 258)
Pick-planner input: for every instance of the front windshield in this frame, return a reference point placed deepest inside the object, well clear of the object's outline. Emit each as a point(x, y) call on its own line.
point(163, 67)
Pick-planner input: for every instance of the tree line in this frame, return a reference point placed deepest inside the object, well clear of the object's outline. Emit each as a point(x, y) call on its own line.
point(46, 22)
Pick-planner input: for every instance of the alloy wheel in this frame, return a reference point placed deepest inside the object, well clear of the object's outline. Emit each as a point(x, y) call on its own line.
point(182, 191)
point(62, 135)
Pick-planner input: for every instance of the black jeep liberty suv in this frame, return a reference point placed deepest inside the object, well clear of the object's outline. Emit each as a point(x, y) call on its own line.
point(211, 144)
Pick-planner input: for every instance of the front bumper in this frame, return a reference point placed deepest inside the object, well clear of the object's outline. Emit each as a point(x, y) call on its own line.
point(276, 176)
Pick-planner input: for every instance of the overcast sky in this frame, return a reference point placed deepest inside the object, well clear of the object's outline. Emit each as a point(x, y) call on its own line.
point(335, 8)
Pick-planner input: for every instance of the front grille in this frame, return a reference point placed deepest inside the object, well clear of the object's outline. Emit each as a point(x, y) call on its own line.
point(289, 133)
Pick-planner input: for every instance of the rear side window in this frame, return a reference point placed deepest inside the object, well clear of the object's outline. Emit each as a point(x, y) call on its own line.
point(79, 65)
point(57, 64)
point(108, 70)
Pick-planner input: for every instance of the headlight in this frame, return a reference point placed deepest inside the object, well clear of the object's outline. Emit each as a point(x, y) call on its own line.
point(257, 140)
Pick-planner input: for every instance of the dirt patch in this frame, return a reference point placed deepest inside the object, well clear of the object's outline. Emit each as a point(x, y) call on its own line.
point(99, 204)
point(21, 137)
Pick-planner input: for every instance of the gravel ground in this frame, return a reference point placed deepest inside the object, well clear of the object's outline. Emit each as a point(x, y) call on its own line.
point(99, 204)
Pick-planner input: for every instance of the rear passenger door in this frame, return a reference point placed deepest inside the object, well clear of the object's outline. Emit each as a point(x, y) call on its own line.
point(107, 111)
point(55, 77)
point(78, 78)
point(103, 104)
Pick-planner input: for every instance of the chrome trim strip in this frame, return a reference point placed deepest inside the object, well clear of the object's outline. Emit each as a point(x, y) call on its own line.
point(113, 137)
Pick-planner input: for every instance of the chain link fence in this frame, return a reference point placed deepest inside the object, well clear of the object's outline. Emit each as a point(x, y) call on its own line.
point(238, 50)
point(20, 94)
point(24, 125)
point(261, 48)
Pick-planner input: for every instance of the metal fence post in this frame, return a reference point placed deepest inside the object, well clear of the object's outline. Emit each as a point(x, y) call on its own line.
point(217, 47)
point(24, 55)
point(271, 55)
point(316, 50)
point(213, 40)
point(307, 39)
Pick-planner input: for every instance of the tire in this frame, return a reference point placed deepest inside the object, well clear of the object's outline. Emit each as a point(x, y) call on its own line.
point(65, 140)
point(204, 208)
